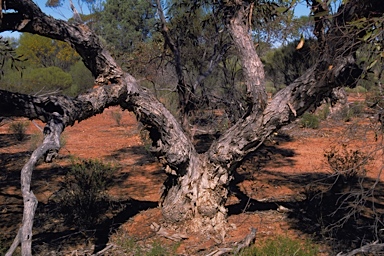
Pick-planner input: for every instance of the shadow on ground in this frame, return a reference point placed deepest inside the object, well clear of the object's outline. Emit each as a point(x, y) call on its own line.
point(343, 212)
point(71, 236)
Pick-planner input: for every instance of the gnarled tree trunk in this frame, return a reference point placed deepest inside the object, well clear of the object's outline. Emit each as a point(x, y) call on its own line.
point(197, 189)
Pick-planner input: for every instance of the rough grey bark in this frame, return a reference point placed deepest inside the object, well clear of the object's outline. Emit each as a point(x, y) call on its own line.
point(47, 149)
point(240, 29)
point(198, 190)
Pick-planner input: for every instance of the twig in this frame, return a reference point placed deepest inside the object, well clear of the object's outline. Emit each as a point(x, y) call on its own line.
point(369, 248)
point(161, 231)
point(104, 250)
point(246, 242)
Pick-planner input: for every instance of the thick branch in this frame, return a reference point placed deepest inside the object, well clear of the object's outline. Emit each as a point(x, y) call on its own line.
point(252, 66)
point(29, 18)
point(336, 68)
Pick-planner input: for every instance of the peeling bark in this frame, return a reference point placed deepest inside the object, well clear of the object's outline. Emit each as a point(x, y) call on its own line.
point(253, 70)
point(197, 189)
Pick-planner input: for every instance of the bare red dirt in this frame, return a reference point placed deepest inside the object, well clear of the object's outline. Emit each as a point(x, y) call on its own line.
point(276, 176)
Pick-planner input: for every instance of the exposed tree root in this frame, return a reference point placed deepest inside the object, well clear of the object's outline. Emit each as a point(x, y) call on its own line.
point(161, 231)
point(246, 242)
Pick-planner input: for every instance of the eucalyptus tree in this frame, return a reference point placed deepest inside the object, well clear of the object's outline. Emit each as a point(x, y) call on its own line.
point(285, 64)
point(196, 198)
point(125, 24)
point(44, 52)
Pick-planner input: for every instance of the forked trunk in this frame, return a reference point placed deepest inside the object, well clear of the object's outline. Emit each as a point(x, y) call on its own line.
point(197, 190)
point(197, 198)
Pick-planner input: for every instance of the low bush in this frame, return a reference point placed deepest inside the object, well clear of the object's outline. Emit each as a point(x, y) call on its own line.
point(347, 163)
point(340, 206)
point(357, 89)
point(18, 129)
point(349, 111)
point(282, 246)
point(323, 111)
point(83, 198)
point(129, 246)
point(309, 120)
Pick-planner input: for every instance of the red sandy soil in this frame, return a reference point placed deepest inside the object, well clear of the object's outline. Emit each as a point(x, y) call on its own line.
point(270, 177)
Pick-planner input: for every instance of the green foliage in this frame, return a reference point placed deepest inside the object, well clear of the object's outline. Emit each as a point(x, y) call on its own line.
point(124, 24)
point(39, 80)
point(323, 111)
point(47, 79)
point(50, 66)
point(82, 79)
point(158, 249)
point(83, 199)
point(357, 89)
point(282, 246)
point(35, 140)
point(130, 247)
point(18, 129)
point(5, 244)
point(274, 22)
point(309, 120)
point(8, 58)
point(285, 64)
point(270, 88)
point(45, 52)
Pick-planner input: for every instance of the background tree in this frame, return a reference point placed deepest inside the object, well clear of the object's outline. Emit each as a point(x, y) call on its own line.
point(126, 24)
point(45, 52)
point(285, 64)
point(197, 194)
point(48, 66)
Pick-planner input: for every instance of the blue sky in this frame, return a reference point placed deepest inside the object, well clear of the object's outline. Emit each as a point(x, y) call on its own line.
point(301, 10)
point(64, 12)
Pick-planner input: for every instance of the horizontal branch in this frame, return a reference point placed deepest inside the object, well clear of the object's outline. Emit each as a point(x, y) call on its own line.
point(28, 17)
point(170, 142)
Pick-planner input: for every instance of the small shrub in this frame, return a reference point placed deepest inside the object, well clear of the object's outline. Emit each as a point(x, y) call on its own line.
point(282, 246)
point(323, 112)
point(129, 246)
point(336, 203)
point(347, 163)
point(117, 116)
point(3, 246)
point(83, 198)
point(158, 249)
point(309, 120)
point(357, 89)
point(270, 89)
point(18, 129)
